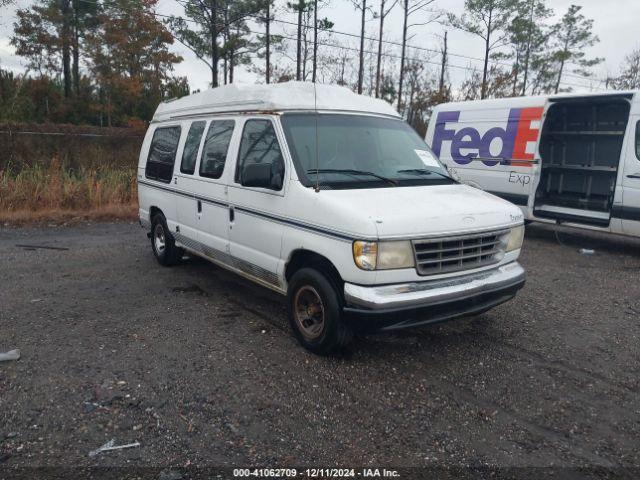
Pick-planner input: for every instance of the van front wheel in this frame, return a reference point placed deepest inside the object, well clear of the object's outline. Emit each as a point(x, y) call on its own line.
point(315, 312)
point(163, 244)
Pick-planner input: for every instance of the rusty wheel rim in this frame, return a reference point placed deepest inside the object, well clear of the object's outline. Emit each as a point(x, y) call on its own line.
point(309, 312)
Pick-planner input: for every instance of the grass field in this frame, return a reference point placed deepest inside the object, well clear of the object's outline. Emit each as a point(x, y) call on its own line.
point(39, 193)
point(61, 173)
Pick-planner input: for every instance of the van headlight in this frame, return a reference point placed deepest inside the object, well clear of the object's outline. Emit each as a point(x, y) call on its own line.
point(516, 237)
point(383, 255)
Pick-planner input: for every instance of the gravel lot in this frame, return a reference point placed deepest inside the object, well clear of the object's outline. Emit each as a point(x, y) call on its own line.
point(200, 368)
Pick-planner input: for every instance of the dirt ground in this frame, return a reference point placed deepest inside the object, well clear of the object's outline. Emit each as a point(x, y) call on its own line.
point(199, 366)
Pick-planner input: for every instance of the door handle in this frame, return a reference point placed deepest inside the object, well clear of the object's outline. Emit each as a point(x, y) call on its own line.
point(232, 214)
point(199, 206)
point(634, 175)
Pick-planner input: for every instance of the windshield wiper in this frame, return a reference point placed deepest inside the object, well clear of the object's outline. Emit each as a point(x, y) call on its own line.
point(353, 172)
point(423, 171)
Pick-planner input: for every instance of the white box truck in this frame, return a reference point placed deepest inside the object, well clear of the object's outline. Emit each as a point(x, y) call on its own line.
point(571, 159)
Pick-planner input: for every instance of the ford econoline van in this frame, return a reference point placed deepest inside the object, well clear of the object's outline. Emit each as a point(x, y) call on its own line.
point(572, 159)
point(329, 198)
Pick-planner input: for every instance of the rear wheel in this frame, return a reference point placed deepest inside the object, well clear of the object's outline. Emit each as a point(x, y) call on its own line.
point(315, 312)
point(163, 244)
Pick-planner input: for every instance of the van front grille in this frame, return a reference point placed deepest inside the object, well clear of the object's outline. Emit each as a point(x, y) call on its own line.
point(464, 252)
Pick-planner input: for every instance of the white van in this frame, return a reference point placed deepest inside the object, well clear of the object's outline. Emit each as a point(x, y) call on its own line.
point(570, 159)
point(329, 198)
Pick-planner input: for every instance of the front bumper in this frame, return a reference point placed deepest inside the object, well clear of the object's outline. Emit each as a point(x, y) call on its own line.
point(411, 304)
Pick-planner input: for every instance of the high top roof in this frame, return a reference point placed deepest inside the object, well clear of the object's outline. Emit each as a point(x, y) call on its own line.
point(276, 97)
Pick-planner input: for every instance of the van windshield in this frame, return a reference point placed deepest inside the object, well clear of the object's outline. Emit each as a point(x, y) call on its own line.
point(359, 151)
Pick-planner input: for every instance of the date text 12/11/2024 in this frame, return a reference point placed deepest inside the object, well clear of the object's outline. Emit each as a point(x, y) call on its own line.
point(315, 473)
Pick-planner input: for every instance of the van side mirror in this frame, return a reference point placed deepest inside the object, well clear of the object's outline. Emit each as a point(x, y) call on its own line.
point(260, 175)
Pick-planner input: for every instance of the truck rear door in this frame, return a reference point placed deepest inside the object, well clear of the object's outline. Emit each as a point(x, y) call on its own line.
point(580, 149)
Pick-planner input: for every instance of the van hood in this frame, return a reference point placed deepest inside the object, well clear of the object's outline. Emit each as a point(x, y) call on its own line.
point(427, 210)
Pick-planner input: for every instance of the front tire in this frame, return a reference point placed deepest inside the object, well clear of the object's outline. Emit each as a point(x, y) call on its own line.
point(315, 312)
point(163, 244)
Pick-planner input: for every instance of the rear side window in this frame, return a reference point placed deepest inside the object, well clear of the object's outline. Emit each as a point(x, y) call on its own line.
point(259, 144)
point(162, 154)
point(191, 145)
point(216, 146)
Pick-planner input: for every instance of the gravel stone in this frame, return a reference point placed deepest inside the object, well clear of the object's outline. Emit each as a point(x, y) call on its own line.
point(200, 367)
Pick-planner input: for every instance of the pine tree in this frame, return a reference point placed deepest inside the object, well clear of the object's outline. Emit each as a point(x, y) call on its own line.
point(527, 38)
point(573, 34)
point(489, 20)
point(211, 24)
point(49, 35)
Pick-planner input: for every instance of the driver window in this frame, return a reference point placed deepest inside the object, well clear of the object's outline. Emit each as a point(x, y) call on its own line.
point(259, 144)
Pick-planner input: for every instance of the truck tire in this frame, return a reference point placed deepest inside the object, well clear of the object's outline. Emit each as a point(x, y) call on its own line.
point(163, 244)
point(314, 306)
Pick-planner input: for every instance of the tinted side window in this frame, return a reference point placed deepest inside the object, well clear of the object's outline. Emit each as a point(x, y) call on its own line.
point(191, 145)
point(216, 145)
point(162, 154)
point(259, 144)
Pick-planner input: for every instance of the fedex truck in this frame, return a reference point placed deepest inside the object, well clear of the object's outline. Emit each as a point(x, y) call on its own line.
point(570, 159)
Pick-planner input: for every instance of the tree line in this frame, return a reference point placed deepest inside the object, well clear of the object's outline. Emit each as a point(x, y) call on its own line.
point(110, 62)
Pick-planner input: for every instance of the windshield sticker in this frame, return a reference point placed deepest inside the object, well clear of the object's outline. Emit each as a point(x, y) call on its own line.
point(427, 158)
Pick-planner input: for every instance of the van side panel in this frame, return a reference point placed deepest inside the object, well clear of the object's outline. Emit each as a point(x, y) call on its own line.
point(629, 210)
point(490, 145)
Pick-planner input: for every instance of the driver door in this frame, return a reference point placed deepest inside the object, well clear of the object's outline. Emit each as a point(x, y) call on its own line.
point(256, 214)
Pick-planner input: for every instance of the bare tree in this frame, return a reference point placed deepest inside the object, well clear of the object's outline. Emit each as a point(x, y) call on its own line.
point(629, 79)
point(427, 14)
point(267, 41)
point(299, 7)
point(443, 66)
point(313, 33)
point(384, 11)
point(318, 24)
point(361, 62)
point(315, 40)
point(362, 6)
point(496, 84)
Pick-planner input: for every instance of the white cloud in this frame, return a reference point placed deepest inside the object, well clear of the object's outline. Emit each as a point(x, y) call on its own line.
point(617, 33)
point(8, 58)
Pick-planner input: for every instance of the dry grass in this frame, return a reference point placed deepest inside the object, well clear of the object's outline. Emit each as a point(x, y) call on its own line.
point(40, 193)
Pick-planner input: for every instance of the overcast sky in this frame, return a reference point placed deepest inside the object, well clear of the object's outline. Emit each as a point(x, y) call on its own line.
point(616, 24)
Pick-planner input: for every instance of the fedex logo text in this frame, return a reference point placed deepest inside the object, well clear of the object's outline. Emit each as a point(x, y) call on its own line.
point(518, 133)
